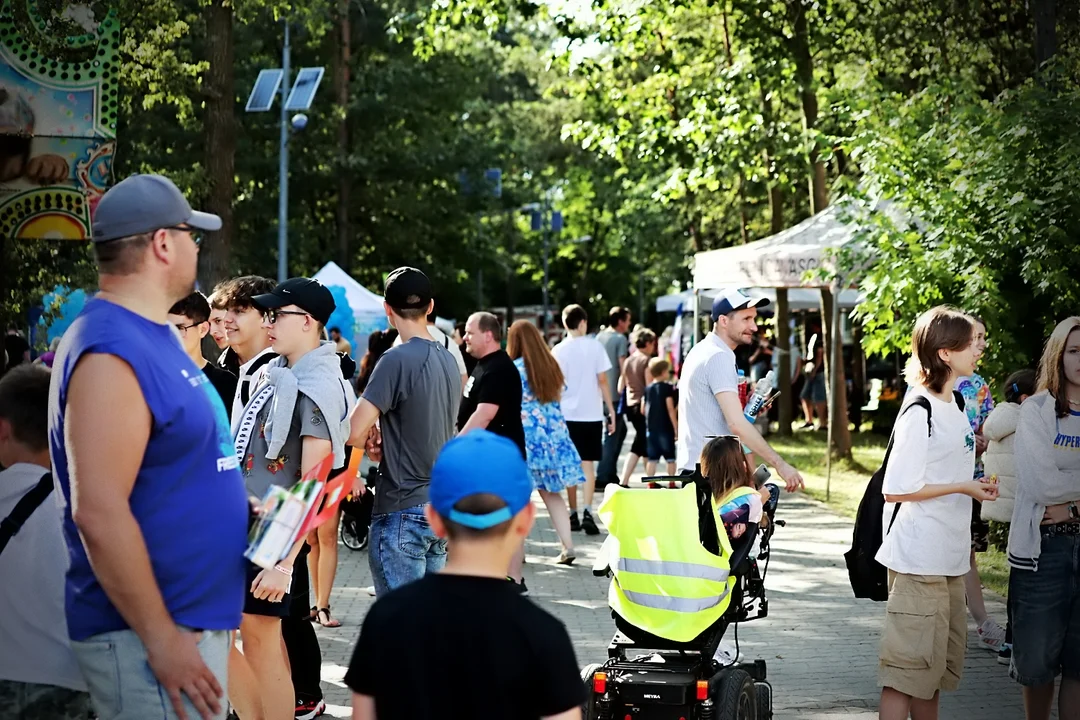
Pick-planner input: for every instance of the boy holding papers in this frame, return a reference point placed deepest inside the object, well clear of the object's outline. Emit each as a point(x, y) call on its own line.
point(293, 420)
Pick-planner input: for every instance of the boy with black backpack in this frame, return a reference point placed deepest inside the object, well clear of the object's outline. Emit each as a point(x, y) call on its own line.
point(927, 539)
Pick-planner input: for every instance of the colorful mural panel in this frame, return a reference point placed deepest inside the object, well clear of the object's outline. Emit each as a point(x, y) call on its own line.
point(58, 107)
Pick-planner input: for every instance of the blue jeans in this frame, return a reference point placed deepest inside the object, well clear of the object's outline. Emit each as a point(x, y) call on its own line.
point(1046, 614)
point(607, 471)
point(403, 548)
point(122, 685)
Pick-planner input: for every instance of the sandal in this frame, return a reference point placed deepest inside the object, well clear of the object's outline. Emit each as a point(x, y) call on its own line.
point(313, 616)
point(330, 622)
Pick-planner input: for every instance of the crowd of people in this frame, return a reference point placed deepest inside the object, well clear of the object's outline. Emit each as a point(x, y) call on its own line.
point(156, 459)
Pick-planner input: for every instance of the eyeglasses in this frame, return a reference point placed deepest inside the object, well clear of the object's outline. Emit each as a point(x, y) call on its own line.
point(195, 237)
point(272, 315)
point(184, 328)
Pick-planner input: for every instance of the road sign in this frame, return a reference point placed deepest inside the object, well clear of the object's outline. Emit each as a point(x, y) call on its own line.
point(266, 87)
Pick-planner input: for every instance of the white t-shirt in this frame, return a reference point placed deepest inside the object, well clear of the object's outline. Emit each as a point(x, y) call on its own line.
point(582, 359)
point(709, 368)
point(33, 634)
point(441, 338)
point(930, 537)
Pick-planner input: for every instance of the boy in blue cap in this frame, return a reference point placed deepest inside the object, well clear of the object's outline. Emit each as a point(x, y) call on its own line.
point(519, 662)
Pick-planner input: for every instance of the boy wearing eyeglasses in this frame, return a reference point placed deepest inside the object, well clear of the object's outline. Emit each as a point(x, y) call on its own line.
point(191, 317)
point(295, 417)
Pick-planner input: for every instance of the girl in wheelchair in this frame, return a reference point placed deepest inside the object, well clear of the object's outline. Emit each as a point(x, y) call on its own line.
point(724, 465)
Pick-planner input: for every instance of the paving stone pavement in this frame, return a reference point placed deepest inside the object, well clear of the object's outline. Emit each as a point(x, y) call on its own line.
point(820, 643)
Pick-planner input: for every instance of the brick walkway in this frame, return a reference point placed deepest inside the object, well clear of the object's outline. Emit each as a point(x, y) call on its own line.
point(820, 643)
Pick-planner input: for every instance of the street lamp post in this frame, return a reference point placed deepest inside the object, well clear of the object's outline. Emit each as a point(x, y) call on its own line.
point(541, 222)
point(296, 97)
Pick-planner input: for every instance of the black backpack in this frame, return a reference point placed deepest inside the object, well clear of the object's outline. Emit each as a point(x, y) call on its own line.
point(869, 578)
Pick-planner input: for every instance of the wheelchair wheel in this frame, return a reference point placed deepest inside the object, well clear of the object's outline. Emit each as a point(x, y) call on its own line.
point(764, 701)
point(737, 698)
point(587, 678)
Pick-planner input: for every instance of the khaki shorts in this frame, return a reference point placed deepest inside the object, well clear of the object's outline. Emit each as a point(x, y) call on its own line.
point(922, 646)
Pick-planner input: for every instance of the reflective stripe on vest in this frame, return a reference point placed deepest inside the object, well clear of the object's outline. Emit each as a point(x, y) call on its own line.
point(674, 604)
point(674, 569)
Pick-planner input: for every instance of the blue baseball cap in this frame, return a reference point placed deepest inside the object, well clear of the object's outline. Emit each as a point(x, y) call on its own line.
point(480, 462)
point(144, 203)
point(731, 301)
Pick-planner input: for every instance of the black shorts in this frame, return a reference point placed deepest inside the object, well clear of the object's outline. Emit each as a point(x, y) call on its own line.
point(254, 606)
point(637, 419)
point(588, 438)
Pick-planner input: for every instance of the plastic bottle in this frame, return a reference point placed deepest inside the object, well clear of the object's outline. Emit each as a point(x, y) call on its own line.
point(761, 393)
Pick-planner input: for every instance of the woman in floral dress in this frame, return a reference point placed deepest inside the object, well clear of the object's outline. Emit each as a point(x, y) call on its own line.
point(553, 460)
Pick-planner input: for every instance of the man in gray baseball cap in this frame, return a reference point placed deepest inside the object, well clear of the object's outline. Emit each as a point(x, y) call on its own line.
point(156, 511)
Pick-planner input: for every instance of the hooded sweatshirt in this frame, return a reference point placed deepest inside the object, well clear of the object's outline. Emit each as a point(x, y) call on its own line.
point(1000, 430)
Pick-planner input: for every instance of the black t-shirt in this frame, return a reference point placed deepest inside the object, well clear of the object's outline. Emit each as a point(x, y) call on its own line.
point(16, 348)
point(518, 663)
point(223, 381)
point(657, 420)
point(496, 380)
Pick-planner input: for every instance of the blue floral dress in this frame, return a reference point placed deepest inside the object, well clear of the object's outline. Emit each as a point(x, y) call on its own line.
point(553, 461)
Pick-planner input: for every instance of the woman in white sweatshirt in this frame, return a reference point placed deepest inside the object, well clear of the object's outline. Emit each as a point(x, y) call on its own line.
point(1044, 536)
point(927, 542)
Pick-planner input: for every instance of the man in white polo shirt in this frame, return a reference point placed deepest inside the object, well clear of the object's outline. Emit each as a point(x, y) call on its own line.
point(709, 388)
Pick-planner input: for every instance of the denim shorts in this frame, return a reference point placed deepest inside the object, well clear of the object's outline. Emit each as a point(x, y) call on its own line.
point(122, 685)
point(1045, 608)
point(661, 445)
point(403, 548)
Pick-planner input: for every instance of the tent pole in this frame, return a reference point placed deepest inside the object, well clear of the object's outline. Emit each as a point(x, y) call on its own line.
point(836, 357)
point(697, 318)
point(783, 349)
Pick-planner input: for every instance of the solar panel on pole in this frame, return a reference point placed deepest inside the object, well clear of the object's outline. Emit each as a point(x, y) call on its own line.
point(266, 87)
point(303, 90)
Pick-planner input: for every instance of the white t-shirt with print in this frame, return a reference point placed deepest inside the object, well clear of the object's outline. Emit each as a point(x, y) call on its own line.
point(582, 359)
point(929, 537)
point(34, 645)
point(709, 369)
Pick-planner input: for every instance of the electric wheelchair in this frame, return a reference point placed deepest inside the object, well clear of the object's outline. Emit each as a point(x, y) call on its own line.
point(684, 680)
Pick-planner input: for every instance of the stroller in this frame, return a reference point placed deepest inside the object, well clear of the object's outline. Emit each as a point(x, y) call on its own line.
point(356, 514)
point(685, 680)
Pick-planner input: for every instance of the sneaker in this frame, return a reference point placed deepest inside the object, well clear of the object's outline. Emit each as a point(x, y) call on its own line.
point(589, 526)
point(991, 635)
point(575, 524)
point(1005, 654)
point(309, 709)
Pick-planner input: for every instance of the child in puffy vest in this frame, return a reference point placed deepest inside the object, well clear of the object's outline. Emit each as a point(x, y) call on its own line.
point(998, 463)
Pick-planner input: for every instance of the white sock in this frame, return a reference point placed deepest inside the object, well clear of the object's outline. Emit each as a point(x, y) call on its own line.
point(587, 509)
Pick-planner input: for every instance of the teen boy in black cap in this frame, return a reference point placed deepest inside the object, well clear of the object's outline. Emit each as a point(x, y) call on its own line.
point(415, 392)
point(521, 664)
point(297, 417)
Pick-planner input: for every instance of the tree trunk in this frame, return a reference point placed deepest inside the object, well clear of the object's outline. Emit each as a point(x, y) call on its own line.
point(776, 193)
point(1045, 16)
point(804, 73)
point(834, 357)
point(220, 141)
point(783, 348)
point(341, 82)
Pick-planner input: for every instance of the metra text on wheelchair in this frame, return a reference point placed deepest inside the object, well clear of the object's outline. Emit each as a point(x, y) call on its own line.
point(679, 610)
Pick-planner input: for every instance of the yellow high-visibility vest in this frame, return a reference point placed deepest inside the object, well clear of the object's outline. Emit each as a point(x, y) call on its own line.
point(664, 581)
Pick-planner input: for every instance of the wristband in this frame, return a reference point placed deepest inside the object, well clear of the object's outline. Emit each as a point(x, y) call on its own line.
point(283, 570)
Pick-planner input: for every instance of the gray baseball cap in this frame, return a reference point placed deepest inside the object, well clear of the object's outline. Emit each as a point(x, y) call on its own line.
point(144, 203)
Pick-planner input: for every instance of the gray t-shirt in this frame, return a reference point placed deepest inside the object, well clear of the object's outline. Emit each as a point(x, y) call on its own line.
point(259, 471)
point(417, 389)
point(617, 347)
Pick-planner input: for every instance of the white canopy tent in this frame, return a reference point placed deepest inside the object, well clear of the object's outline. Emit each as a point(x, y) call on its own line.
point(798, 298)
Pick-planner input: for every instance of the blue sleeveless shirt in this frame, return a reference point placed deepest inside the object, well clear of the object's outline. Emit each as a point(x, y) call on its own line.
point(188, 498)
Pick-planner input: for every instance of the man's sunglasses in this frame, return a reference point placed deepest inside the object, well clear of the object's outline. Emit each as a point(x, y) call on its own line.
point(273, 315)
point(195, 236)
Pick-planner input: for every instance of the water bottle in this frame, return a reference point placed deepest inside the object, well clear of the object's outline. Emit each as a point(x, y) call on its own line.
point(762, 391)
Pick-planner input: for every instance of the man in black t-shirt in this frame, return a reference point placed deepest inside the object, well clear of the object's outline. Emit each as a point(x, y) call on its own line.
point(520, 665)
point(191, 316)
point(492, 396)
